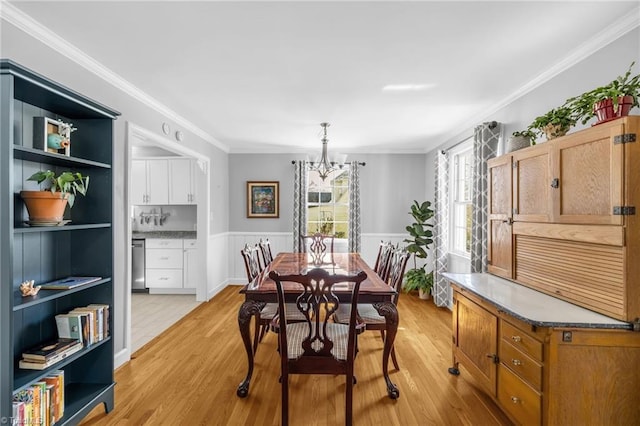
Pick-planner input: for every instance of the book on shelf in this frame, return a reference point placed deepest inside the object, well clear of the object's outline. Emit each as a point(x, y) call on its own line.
point(32, 364)
point(56, 381)
point(74, 326)
point(48, 350)
point(91, 319)
point(105, 317)
point(68, 283)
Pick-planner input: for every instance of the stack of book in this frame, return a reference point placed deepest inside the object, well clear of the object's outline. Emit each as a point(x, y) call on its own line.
point(40, 403)
point(88, 324)
point(48, 354)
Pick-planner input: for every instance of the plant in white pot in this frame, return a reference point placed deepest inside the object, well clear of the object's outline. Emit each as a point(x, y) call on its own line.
point(421, 238)
point(46, 207)
point(520, 139)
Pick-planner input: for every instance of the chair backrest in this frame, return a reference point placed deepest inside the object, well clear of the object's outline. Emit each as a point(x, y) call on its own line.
point(399, 259)
point(251, 261)
point(317, 303)
point(383, 261)
point(265, 249)
point(317, 244)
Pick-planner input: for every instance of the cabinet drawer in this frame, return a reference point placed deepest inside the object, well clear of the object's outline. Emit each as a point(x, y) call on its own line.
point(164, 258)
point(190, 244)
point(522, 364)
point(162, 243)
point(521, 340)
point(518, 399)
point(164, 278)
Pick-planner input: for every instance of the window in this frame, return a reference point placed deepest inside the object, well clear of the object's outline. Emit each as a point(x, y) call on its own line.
point(461, 158)
point(328, 203)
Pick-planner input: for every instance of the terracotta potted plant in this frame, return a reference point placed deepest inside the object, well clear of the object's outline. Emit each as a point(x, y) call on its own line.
point(608, 102)
point(46, 207)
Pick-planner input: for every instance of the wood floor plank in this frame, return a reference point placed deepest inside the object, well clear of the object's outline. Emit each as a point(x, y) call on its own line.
point(189, 374)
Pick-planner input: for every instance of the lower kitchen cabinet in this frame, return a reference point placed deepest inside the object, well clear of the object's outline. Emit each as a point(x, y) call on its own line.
point(171, 264)
point(543, 360)
point(190, 265)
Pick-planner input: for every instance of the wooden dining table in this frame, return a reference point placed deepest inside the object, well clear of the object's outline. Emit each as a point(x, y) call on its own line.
point(373, 290)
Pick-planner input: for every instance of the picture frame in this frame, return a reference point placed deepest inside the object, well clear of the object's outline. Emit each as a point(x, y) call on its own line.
point(263, 199)
point(51, 135)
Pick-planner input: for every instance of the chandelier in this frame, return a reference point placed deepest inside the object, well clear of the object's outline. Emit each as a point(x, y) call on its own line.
point(324, 166)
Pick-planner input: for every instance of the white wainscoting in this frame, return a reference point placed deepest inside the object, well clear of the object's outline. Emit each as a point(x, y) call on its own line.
point(218, 258)
point(283, 241)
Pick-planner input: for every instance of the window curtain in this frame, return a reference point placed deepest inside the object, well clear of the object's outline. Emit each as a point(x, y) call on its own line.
point(299, 203)
point(354, 207)
point(441, 289)
point(485, 146)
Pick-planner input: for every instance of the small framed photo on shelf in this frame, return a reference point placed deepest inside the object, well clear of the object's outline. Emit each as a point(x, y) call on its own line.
point(263, 199)
point(51, 135)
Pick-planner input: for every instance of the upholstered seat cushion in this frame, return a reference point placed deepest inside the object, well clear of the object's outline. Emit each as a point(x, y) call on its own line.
point(367, 312)
point(293, 314)
point(299, 331)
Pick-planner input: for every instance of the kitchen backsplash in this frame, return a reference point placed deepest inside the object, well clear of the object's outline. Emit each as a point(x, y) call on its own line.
point(163, 218)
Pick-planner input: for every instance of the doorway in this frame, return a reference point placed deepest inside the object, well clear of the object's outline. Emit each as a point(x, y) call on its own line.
point(163, 217)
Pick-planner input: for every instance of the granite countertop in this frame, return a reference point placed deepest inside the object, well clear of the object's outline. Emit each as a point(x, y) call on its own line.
point(532, 306)
point(184, 235)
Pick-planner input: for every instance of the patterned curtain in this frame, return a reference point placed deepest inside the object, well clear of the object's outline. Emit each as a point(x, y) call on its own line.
point(299, 203)
point(441, 289)
point(354, 207)
point(485, 146)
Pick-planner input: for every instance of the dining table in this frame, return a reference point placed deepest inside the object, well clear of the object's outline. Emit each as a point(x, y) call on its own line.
point(373, 290)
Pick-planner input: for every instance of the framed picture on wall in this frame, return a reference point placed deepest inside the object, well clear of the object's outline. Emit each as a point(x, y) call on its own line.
point(263, 199)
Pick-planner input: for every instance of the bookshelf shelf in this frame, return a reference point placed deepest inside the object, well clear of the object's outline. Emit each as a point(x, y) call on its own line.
point(82, 247)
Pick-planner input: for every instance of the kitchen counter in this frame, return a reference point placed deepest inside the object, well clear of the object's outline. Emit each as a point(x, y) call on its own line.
point(530, 305)
point(184, 235)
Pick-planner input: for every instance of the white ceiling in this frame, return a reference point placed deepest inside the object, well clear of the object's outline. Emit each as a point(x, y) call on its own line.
point(262, 76)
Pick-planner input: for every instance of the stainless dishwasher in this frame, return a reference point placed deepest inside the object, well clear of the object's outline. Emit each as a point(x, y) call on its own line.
point(137, 265)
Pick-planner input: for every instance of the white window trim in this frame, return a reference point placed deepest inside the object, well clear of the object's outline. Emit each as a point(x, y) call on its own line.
point(465, 145)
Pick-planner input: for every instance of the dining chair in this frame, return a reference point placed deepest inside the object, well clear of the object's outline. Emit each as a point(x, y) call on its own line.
point(318, 246)
point(265, 249)
point(383, 260)
point(317, 345)
point(270, 310)
point(367, 314)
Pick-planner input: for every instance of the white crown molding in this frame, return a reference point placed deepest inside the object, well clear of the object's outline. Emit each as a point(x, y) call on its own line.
point(608, 35)
point(25, 23)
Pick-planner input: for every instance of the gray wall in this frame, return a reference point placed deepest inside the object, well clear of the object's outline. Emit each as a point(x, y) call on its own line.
point(25, 50)
point(388, 185)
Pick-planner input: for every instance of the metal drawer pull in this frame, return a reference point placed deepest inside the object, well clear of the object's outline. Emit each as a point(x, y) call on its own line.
point(516, 339)
point(164, 258)
point(516, 362)
point(515, 399)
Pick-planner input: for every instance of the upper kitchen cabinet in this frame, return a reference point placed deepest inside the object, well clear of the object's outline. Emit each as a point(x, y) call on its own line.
point(532, 184)
point(149, 182)
point(182, 181)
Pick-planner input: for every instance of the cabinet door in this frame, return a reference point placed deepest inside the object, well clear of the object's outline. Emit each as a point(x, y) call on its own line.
point(532, 184)
point(138, 182)
point(476, 342)
point(499, 238)
point(589, 169)
point(190, 268)
point(180, 181)
point(157, 182)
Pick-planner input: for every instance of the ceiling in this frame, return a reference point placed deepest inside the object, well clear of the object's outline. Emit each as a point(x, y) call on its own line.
point(389, 76)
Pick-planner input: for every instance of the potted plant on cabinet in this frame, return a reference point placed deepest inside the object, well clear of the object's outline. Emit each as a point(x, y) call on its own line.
point(46, 207)
point(608, 102)
point(520, 139)
point(554, 123)
point(421, 238)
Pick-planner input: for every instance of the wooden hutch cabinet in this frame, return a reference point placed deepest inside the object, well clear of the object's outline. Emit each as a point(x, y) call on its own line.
point(549, 331)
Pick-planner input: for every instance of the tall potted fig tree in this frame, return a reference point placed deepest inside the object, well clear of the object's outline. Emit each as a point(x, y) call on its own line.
point(421, 235)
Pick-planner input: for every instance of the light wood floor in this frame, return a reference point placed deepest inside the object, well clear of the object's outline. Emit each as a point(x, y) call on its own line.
point(189, 374)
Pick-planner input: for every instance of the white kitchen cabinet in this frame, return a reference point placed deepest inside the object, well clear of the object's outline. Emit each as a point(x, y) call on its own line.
point(190, 264)
point(182, 181)
point(149, 182)
point(164, 263)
